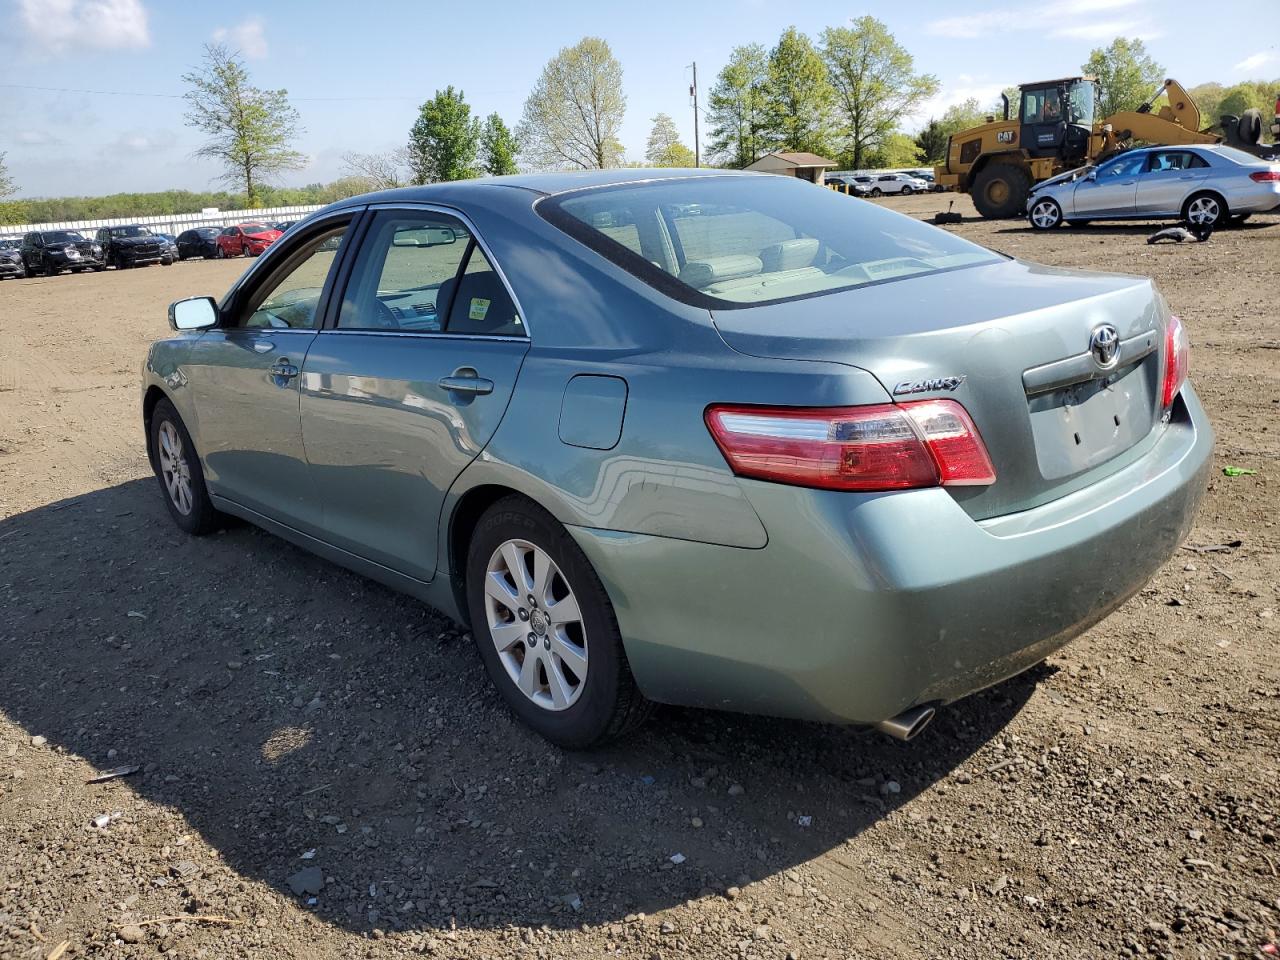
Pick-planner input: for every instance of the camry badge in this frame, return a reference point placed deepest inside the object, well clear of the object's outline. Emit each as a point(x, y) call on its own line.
point(925, 386)
point(1104, 344)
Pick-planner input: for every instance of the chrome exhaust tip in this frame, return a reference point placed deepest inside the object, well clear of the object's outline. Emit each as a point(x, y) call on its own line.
point(907, 724)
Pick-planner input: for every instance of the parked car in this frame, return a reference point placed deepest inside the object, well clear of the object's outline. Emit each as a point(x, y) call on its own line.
point(850, 185)
point(11, 259)
point(1204, 185)
point(169, 251)
point(198, 242)
point(283, 225)
point(903, 183)
point(131, 245)
point(811, 460)
point(246, 240)
point(51, 251)
point(929, 181)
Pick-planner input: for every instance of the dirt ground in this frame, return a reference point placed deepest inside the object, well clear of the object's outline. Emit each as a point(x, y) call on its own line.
point(1122, 799)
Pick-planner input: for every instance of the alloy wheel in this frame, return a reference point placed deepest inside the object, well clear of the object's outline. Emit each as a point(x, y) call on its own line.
point(1045, 214)
point(536, 625)
point(174, 469)
point(1204, 210)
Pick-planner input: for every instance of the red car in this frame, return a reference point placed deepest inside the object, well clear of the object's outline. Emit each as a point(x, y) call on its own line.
point(246, 240)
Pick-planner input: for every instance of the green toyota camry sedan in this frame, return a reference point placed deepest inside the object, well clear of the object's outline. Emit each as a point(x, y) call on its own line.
point(694, 437)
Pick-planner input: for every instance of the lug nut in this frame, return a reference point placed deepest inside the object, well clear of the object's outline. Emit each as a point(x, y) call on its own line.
point(533, 601)
point(533, 640)
point(546, 642)
point(524, 614)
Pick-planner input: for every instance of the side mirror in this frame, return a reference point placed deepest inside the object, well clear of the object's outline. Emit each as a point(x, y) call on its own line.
point(194, 313)
point(1091, 175)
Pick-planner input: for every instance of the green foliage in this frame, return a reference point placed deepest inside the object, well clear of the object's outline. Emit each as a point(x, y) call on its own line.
point(572, 117)
point(896, 150)
point(1207, 97)
point(498, 148)
point(1126, 75)
point(172, 202)
point(737, 108)
point(251, 131)
point(1252, 94)
point(445, 139)
point(875, 86)
point(664, 148)
point(7, 187)
point(932, 140)
point(799, 95)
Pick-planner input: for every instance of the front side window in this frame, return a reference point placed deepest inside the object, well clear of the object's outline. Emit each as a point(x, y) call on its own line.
point(423, 272)
point(1121, 167)
point(735, 241)
point(290, 297)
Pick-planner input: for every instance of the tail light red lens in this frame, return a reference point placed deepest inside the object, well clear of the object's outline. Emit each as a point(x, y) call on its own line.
point(1266, 176)
point(880, 447)
point(1177, 358)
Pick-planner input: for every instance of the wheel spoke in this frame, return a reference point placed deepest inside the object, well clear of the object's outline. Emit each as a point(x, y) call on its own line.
point(495, 586)
point(561, 692)
point(566, 611)
point(528, 681)
point(515, 566)
point(542, 577)
point(571, 656)
point(507, 635)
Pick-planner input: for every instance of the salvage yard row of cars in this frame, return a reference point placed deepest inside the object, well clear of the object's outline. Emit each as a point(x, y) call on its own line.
point(51, 252)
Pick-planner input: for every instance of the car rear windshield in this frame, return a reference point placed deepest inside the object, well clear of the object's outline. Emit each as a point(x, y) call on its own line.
point(724, 242)
point(1238, 156)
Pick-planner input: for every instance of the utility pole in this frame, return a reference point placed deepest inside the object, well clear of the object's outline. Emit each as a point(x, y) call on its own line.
point(693, 92)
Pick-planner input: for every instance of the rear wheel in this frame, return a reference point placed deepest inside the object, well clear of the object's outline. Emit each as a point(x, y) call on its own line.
point(219, 253)
point(1045, 214)
point(178, 469)
point(1000, 191)
point(546, 630)
point(1204, 210)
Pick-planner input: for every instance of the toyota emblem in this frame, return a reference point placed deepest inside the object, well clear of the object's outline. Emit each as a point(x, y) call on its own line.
point(1104, 344)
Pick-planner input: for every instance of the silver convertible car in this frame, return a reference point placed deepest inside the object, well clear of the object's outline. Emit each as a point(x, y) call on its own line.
point(1205, 186)
point(702, 438)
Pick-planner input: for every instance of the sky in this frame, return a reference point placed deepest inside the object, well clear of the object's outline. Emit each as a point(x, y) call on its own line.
point(357, 72)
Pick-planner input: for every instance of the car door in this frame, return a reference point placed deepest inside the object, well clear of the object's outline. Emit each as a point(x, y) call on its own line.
point(1112, 190)
point(407, 383)
point(244, 378)
point(1168, 178)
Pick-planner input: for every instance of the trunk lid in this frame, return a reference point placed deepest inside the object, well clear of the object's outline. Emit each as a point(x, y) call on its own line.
point(1012, 343)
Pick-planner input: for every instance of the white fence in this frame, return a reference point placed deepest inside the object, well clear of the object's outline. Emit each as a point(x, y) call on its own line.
point(173, 223)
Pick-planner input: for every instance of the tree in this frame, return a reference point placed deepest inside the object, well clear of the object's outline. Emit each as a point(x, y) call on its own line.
point(1252, 94)
point(573, 115)
point(445, 139)
point(664, 148)
point(1126, 75)
point(875, 83)
point(7, 187)
point(381, 171)
point(498, 147)
point(799, 95)
point(896, 150)
point(737, 108)
point(251, 130)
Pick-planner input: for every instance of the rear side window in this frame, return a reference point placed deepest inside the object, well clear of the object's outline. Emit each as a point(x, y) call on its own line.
point(723, 242)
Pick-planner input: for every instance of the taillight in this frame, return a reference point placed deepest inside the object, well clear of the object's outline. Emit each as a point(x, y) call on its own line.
point(888, 446)
point(1266, 176)
point(1177, 356)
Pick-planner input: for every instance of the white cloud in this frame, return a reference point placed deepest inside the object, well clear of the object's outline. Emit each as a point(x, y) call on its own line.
point(249, 37)
point(1047, 19)
point(965, 88)
point(35, 138)
point(1258, 60)
point(62, 26)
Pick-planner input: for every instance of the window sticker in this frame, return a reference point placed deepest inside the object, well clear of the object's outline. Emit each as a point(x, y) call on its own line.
point(479, 308)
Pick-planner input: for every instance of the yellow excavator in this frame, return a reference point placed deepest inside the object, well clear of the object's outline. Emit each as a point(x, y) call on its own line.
point(1055, 130)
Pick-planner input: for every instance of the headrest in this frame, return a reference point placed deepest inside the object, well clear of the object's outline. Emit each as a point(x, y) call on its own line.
point(789, 254)
point(701, 273)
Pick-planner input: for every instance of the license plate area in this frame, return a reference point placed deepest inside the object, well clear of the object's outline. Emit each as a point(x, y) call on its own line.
point(1082, 425)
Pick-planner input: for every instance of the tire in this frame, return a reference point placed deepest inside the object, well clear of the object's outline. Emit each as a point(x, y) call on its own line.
point(99, 268)
point(199, 518)
point(219, 253)
point(907, 191)
point(1205, 209)
point(999, 191)
point(50, 270)
point(605, 703)
point(877, 192)
point(1249, 126)
point(1045, 214)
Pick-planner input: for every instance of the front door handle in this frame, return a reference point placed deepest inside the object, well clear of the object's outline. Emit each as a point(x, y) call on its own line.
point(282, 369)
point(466, 381)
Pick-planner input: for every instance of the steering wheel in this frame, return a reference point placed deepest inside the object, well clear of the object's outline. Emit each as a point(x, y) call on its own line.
point(383, 318)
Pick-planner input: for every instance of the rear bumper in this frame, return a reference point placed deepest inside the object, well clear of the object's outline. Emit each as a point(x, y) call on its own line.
point(861, 606)
point(1256, 199)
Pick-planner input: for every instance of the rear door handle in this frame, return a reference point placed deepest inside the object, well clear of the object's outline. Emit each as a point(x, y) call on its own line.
point(465, 380)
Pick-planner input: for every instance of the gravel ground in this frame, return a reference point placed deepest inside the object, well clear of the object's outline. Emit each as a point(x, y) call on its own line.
point(324, 771)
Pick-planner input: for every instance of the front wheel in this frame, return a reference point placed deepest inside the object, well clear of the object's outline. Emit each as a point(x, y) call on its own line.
point(877, 192)
point(219, 252)
point(907, 191)
point(546, 630)
point(1045, 214)
point(1000, 191)
point(178, 469)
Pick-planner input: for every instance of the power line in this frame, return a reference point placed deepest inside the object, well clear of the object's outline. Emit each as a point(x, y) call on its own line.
point(179, 96)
